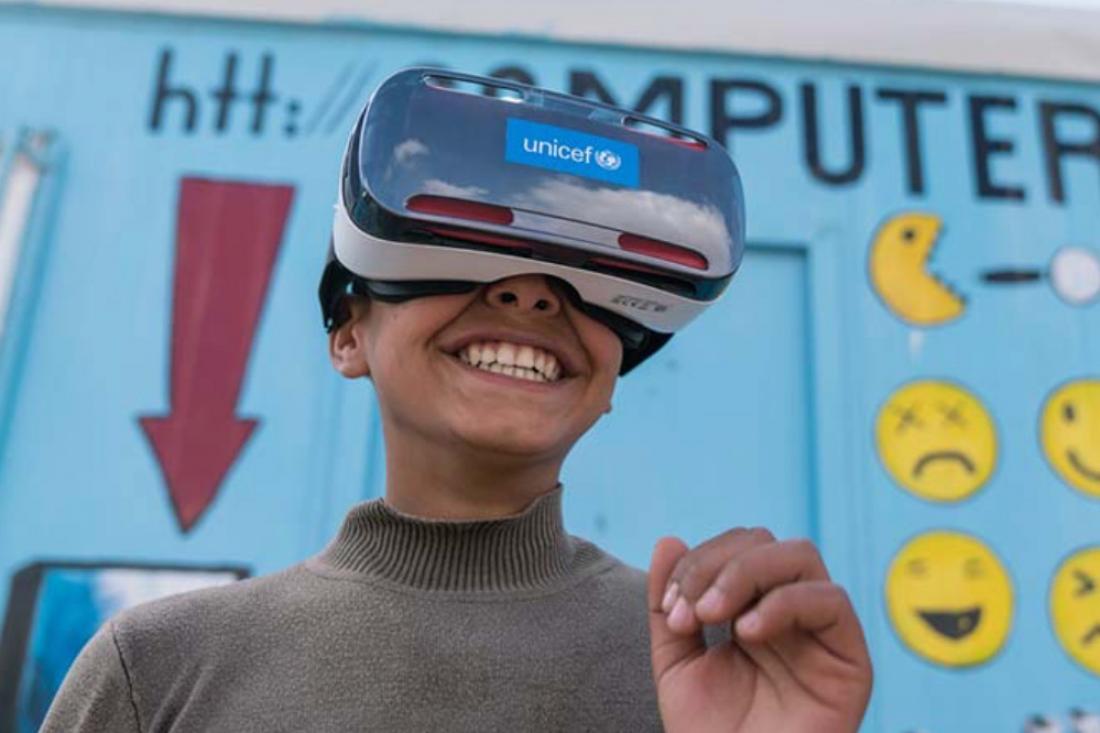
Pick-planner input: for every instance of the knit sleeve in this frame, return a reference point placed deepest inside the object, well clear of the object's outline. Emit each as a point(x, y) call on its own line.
point(96, 694)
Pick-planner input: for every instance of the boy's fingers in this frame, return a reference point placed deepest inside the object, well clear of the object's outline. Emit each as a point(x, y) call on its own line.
point(753, 573)
point(696, 570)
point(820, 608)
point(666, 553)
point(667, 647)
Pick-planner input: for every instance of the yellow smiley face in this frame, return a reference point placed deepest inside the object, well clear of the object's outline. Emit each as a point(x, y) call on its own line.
point(949, 598)
point(1075, 607)
point(936, 440)
point(1069, 430)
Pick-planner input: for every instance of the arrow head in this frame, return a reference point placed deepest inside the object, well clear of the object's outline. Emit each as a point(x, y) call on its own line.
point(195, 451)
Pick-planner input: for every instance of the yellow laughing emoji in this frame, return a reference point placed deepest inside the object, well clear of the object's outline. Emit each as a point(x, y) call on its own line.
point(898, 268)
point(949, 598)
point(936, 440)
point(1069, 430)
point(1075, 607)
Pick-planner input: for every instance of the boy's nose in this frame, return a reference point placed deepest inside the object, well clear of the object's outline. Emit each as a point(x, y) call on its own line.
point(530, 293)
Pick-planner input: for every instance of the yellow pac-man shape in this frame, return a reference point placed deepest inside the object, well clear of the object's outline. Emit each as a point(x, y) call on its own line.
point(936, 440)
point(1075, 607)
point(898, 268)
point(949, 598)
point(1069, 431)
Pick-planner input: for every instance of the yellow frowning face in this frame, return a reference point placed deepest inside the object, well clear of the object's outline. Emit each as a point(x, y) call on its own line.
point(936, 440)
point(898, 268)
point(1075, 607)
point(1069, 431)
point(949, 598)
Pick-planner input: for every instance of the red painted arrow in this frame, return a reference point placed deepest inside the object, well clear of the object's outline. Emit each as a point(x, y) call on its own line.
point(227, 237)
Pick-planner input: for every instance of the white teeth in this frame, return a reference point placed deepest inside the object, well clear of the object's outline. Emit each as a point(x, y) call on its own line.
point(513, 360)
point(530, 375)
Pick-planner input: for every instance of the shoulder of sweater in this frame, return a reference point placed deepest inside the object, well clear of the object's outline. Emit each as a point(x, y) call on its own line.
point(183, 615)
point(615, 574)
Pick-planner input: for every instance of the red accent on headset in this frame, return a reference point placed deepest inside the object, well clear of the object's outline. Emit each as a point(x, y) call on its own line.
point(482, 237)
point(686, 142)
point(459, 208)
point(662, 250)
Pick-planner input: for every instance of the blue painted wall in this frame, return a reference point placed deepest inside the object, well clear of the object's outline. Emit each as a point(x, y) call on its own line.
point(763, 412)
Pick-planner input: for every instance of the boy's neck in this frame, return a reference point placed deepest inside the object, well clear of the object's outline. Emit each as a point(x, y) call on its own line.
point(440, 483)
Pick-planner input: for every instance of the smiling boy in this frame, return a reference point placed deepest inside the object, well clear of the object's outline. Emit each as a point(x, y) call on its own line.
point(458, 601)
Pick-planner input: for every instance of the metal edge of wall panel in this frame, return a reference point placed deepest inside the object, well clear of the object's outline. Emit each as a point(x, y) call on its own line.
point(1015, 39)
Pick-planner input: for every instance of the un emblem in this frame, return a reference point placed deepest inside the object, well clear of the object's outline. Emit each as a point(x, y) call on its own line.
point(609, 160)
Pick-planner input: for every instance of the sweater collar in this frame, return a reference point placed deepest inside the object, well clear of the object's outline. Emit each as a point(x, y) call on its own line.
point(524, 551)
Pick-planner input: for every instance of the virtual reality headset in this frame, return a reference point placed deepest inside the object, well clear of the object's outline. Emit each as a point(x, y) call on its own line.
point(451, 180)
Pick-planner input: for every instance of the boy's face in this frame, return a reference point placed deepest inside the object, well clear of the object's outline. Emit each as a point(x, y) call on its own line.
point(413, 352)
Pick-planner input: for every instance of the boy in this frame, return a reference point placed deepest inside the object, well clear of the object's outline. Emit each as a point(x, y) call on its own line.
point(458, 601)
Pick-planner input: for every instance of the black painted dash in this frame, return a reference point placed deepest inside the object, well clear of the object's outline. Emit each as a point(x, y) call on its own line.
point(1011, 277)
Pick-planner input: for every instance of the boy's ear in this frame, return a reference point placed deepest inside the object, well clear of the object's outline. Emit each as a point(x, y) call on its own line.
point(347, 345)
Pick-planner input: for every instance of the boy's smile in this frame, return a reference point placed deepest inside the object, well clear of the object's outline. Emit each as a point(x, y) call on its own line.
point(509, 358)
point(516, 355)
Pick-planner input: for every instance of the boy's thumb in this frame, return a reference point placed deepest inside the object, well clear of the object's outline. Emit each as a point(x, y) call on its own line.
point(667, 647)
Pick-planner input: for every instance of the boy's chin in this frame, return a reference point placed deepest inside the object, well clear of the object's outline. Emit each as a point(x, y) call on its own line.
point(516, 441)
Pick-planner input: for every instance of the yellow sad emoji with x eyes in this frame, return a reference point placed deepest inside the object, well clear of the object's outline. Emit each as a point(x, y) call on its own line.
point(936, 440)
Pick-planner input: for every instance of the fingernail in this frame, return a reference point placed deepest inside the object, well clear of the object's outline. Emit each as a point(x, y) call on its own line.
point(680, 616)
point(710, 601)
point(748, 623)
point(670, 596)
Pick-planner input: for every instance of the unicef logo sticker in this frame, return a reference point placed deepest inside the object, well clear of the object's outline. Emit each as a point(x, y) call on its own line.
point(609, 160)
point(571, 151)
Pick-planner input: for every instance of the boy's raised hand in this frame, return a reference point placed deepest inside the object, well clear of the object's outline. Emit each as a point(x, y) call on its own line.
point(798, 661)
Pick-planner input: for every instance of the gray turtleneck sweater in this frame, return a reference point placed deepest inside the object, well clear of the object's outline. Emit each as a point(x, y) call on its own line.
point(400, 624)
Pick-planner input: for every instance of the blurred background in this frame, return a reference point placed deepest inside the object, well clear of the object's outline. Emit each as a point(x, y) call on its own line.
point(906, 369)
